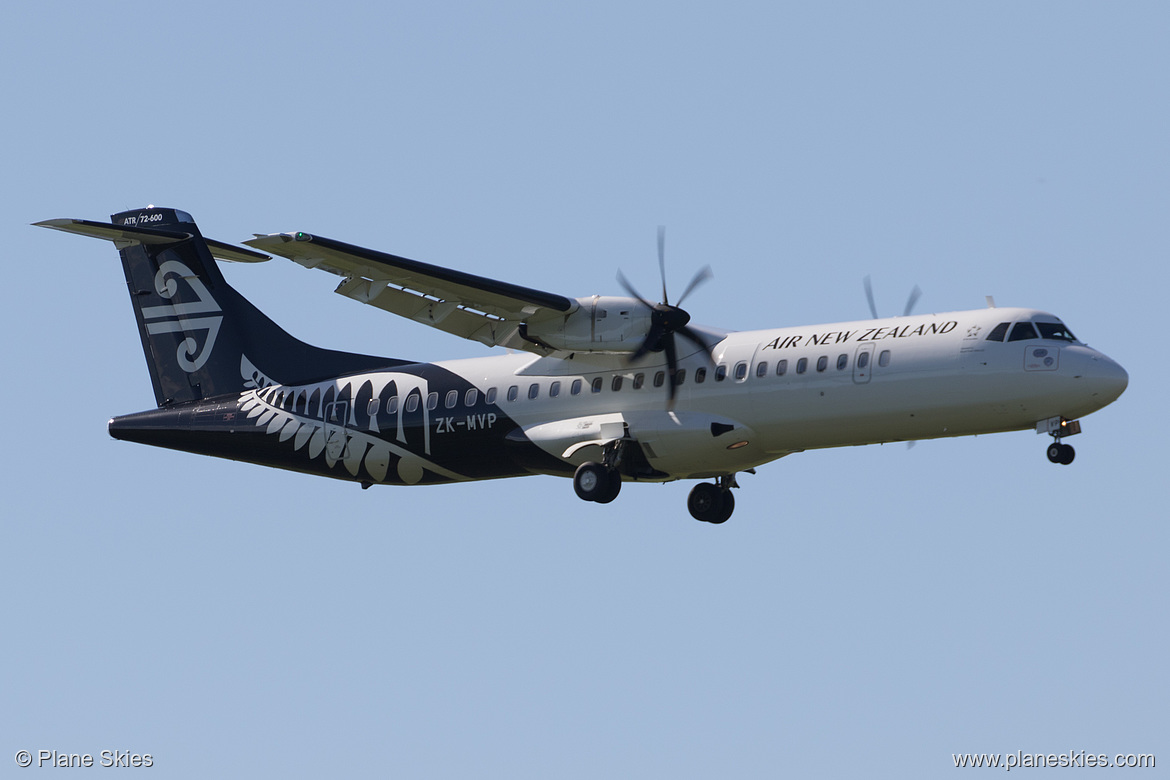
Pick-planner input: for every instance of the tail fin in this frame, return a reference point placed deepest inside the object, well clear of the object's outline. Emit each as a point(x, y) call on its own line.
point(201, 337)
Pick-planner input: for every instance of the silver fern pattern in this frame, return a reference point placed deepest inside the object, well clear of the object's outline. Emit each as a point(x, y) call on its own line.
point(305, 416)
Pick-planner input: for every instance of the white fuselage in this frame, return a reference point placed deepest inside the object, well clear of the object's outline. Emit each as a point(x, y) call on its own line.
point(774, 392)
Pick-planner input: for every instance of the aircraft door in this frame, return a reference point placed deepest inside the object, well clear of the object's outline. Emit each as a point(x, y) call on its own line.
point(336, 437)
point(863, 364)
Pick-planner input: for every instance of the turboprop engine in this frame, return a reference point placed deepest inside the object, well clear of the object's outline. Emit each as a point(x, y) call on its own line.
point(598, 324)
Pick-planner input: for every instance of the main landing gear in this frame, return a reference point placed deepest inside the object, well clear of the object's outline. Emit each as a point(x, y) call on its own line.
point(712, 503)
point(601, 482)
point(594, 482)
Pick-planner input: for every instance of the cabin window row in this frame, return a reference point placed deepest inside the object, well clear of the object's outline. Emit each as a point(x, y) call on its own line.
point(616, 383)
point(802, 364)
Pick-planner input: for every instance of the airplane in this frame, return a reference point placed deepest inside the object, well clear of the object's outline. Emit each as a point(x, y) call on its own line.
point(603, 389)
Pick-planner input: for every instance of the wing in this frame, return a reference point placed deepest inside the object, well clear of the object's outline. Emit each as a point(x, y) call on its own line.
point(485, 310)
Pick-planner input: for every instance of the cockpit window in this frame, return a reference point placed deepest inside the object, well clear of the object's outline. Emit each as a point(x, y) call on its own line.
point(1055, 331)
point(998, 332)
point(1023, 331)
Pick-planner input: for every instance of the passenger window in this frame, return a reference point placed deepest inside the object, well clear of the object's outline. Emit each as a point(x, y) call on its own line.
point(513, 393)
point(616, 385)
point(554, 390)
point(1022, 332)
point(491, 395)
point(392, 405)
point(740, 371)
point(597, 382)
point(471, 397)
point(660, 379)
point(762, 369)
point(822, 363)
point(781, 367)
point(432, 401)
point(720, 372)
point(998, 332)
point(802, 365)
point(412, 403)
point(842, 361)
point(452, 399)
point(680, 376)
point(639, 380)
point(700, 375)
point(884, 358)
point(863, 360)
point(372, 407)
point(575, 388)
point(533, 391)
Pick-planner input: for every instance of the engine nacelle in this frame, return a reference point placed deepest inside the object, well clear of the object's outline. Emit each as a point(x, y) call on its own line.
point(598, 324)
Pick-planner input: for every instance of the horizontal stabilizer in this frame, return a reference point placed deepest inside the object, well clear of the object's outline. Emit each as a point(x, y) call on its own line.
point(115, 233)
point(126, 235)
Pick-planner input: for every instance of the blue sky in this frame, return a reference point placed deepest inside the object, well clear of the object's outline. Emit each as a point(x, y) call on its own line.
point(867, 612)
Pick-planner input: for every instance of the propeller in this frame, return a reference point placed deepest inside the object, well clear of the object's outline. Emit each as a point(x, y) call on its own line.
point(667, 320)
point(915, 294)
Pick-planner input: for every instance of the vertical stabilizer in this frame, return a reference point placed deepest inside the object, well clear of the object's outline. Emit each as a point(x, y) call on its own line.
point(199, 335)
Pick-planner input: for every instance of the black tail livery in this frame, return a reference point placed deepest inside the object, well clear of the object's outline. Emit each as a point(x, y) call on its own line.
point(195, 328)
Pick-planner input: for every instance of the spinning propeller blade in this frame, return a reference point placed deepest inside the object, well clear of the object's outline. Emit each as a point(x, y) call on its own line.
point(915, 294)
point(667, 320)
point(869, 296)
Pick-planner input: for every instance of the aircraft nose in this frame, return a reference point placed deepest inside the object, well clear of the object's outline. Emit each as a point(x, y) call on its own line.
point(1105, 376)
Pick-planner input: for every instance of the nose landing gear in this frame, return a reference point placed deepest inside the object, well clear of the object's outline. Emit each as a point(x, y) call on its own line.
point(1061, 453)
point(1058, 427)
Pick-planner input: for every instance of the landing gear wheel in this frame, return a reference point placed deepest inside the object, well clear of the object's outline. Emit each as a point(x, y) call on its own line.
point(613, 486)
point(726, 510)
point(1061, 453)
point(594, 482)
point(710, 503)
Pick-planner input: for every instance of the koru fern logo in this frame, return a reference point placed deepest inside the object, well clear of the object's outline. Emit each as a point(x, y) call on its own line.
point(178, 317)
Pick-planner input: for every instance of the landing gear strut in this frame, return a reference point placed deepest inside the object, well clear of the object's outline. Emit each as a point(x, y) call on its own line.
point(712, 503)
